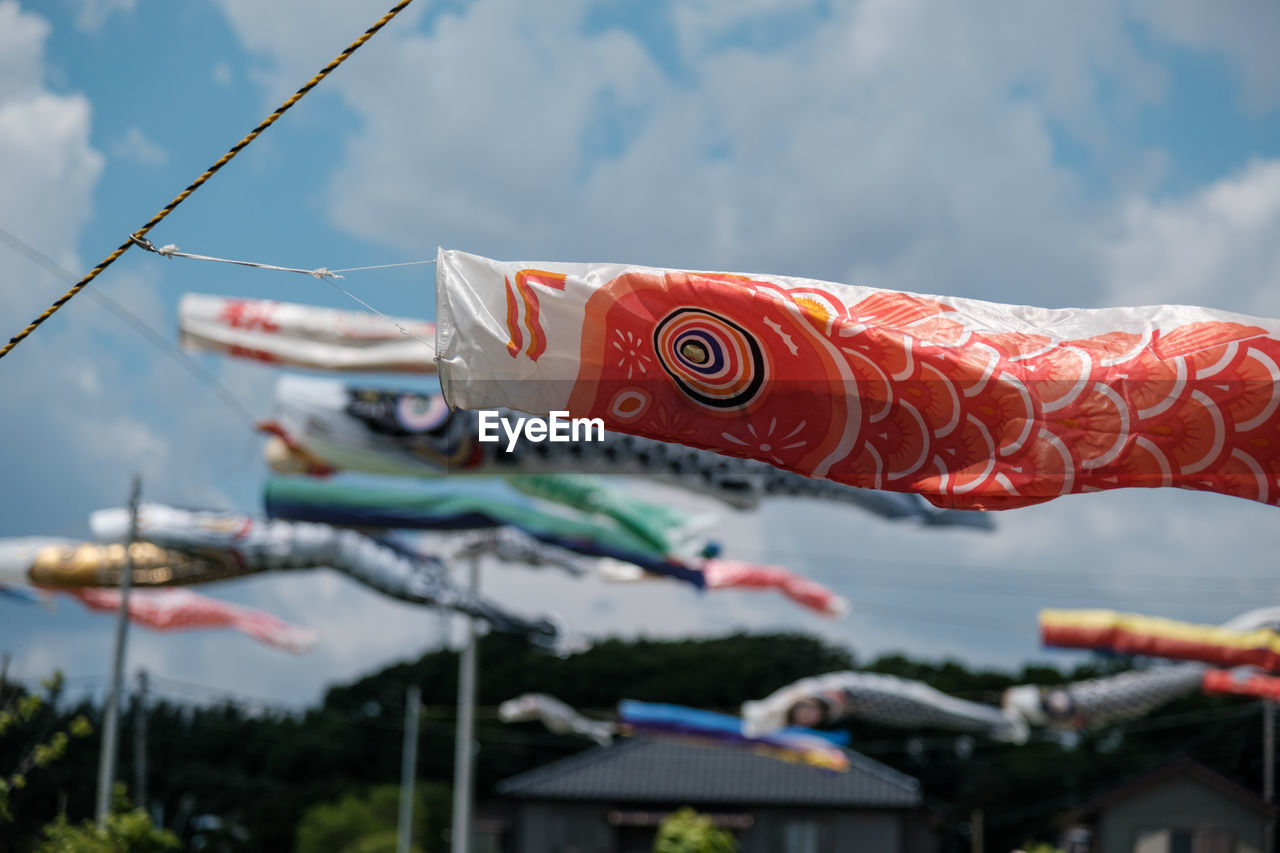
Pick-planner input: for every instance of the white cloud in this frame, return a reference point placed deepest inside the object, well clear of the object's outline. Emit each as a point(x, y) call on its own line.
point(50, 170)
point(899, 144)
point(92, 14)
point(136, 147)
point(22, 38)
point(1217, 246)
point(99, 404)
point(894, 144)
point(292, 53)
point(221, 74)
point(1244, 35)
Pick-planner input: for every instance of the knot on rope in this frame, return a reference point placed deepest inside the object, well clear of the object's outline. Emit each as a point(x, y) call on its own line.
point(168, 250)
point(142, 242)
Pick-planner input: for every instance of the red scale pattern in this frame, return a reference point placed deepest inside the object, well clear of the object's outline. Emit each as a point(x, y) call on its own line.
point(899, 392)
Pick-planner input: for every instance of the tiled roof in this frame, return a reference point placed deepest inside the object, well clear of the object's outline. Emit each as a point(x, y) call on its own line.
point(638, 770)
point(1181, 767)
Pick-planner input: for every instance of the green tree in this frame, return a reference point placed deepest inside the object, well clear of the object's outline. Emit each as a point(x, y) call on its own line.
point(686, 831)
point(366, 822)
point(23, 711)
point(127, 830)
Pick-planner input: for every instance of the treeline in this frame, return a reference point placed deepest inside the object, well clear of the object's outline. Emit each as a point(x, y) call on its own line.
point(242, 778)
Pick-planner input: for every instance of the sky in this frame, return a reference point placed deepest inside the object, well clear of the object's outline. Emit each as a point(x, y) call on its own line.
point(1054, 154)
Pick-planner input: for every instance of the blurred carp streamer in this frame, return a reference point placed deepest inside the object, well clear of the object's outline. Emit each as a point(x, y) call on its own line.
point(882, 700)
point(677, 722)
point(794, 743)
point(49, 562)
point(886, 700)
point(258, 545)
point(1237, 643)
point(184, 610)
point(556, 716)
point(617, 553)
point(1096, 702)
point(292, 335)
point(75, 569)
point(323, 427)
point(323, 424)
point(1242, 683)
point(970, 404)
point(737, 574)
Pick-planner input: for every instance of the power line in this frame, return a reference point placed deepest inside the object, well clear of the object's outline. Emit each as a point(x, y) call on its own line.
point(140, 326)
point(858, 564)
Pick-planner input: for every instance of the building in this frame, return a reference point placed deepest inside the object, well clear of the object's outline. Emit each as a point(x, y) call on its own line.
point(1181, 806)
point(610, 800)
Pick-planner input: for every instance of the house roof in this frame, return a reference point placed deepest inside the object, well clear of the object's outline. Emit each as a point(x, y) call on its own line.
point(1177, 768)
point(662, 771)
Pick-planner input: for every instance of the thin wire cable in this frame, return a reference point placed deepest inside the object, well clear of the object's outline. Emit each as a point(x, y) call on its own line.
point(171, 251)
point(209, 173)
point(322, 273)
point(386, 266)
point(391, 320)
point(133, 321)
point(894, 567)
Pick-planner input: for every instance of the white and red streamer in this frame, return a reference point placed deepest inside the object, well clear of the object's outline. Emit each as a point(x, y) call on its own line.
point(971, 404)
point(178, 609)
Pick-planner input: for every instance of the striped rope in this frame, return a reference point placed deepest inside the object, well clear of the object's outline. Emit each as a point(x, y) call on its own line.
point(209, 173)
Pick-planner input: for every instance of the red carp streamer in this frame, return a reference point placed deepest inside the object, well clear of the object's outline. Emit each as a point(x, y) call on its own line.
point(971, 404)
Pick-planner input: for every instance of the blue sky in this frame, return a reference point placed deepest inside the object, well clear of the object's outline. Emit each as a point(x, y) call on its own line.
point(1050, 154)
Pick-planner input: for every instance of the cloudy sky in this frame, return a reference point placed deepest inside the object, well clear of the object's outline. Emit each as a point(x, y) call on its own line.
point(1054, 154)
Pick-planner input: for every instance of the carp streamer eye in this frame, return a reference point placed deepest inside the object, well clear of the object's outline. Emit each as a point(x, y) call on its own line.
point(418, 413)
point(712, 359)
point(1059, 705)
point(694, 352)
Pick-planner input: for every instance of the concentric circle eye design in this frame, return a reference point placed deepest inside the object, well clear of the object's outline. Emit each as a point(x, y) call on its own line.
point(713, 360)
point(419, 413)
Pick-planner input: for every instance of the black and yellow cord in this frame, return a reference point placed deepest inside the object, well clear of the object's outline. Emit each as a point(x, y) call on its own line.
point(209, 173)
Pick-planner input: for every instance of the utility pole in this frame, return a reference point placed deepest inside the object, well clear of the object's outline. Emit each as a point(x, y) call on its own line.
point(408, 766)
point(444, 622)
point(1269, 769)
point(111, 722)
point(140, 744)
point(976, 831)
point(463, 750)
